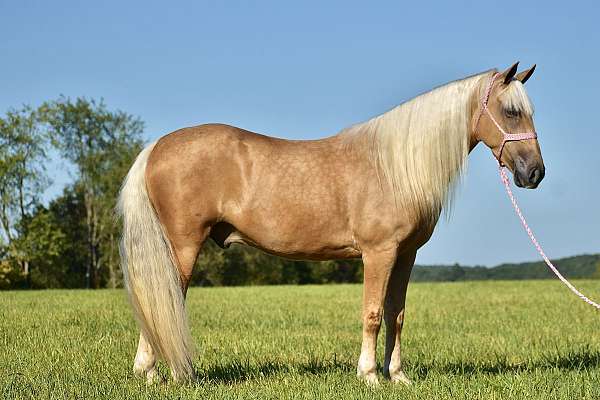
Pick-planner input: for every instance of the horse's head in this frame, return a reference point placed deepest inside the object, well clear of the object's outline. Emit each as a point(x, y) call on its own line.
point(505, 125)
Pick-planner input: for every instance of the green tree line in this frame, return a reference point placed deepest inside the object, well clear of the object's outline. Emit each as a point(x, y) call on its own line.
point(71, 240)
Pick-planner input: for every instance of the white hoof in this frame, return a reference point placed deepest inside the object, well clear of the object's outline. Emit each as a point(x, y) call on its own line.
point(152, 376)
point(400, 377)
point(370, 378)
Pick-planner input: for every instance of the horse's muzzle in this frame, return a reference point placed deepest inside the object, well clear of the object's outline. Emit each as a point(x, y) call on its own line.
point(529, 175)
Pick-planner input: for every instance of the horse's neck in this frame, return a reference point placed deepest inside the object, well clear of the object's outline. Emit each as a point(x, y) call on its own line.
point(474, 110)
point(420, 171)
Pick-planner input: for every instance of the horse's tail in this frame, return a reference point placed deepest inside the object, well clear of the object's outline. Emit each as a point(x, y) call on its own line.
point(151, 274)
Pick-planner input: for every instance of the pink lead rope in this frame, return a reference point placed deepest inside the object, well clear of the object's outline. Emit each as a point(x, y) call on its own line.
point(513, 200)
point(508, 137)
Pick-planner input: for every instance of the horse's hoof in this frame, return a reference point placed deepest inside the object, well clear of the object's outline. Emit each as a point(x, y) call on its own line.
point(154, 378)
point(369, 378)
point(400, 377)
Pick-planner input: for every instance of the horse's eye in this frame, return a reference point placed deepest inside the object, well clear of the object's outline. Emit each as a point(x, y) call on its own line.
point(512, 113)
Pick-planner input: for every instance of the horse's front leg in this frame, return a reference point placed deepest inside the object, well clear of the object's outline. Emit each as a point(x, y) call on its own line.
point(394, 316)
point(377, 269)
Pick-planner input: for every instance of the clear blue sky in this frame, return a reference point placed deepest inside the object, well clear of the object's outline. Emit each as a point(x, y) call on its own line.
point(307, 69)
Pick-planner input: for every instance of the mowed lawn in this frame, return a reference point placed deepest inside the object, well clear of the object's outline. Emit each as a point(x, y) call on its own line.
point(472, 340)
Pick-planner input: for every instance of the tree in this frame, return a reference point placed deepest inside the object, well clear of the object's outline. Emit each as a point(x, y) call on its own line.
point(22, 181)
point(43, 241)
point(101, 145)
point(66, 267)
point(116, 165)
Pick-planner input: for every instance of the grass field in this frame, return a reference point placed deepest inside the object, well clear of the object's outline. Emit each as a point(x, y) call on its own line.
point(471, 340)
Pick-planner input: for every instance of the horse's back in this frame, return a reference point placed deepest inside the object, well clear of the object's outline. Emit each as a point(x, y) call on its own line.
point(225, 158)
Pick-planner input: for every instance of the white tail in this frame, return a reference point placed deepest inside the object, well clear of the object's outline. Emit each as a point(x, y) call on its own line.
point(151, 275)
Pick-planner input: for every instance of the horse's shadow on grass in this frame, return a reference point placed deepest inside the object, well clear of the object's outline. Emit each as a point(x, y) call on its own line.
point(573, 361)
point(241, 371)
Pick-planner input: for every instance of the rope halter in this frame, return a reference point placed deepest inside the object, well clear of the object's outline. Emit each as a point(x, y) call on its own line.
point(506, 136)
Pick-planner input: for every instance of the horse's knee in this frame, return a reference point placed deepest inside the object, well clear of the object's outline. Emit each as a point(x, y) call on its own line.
point(372, 320)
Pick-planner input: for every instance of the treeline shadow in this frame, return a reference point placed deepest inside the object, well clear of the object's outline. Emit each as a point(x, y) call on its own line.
point(240, 371)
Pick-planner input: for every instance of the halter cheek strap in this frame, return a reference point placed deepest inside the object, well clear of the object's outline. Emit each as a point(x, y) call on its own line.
point(506, 137)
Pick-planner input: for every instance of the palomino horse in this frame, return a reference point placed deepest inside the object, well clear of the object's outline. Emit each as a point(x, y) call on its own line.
point(375, 190)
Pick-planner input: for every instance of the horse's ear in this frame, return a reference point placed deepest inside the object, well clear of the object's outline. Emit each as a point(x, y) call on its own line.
point(523, 76)
point(509, 74)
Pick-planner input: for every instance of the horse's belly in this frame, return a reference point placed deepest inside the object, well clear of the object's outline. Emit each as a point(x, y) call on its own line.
point(293, 236)
point(296, 250)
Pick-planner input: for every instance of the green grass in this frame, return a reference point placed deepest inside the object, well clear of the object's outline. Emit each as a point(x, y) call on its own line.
point(492, 340)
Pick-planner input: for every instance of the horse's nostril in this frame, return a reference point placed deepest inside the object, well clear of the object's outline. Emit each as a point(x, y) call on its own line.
point(535, 175)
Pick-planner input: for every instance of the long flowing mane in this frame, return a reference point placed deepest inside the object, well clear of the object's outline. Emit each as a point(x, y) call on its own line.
point(420, 147)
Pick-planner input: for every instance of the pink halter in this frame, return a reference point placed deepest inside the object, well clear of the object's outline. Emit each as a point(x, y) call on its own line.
point(507, 137)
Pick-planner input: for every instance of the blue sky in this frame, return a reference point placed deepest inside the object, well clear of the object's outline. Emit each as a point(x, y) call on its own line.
point(307, 69)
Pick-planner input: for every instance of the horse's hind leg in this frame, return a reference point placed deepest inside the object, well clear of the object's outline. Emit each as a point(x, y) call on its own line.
point(394, 317)
point(186, 249)
point(145, 361)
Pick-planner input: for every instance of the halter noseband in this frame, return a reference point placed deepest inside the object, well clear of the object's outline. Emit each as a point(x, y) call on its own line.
point(507, 137)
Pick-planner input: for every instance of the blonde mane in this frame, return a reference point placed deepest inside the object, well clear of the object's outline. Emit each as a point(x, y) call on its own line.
point(420, 147)
point(515, 97)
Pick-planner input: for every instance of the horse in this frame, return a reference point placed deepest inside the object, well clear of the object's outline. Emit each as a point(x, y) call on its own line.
point(373, 191)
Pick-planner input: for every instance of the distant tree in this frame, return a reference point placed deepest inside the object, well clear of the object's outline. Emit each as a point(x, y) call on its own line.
point(101, 145)
point(68, 268)
point(43, 241)
point(22, 181)
point(118, 160)
point(596, 273)
point(10, 277)
point(209, 267)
